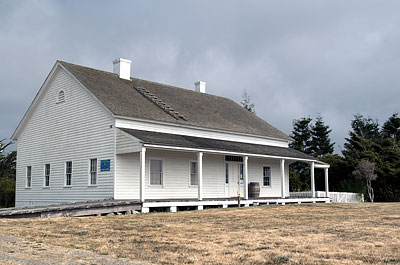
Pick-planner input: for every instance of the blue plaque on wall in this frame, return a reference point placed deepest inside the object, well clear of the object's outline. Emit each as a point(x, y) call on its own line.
point(105, 165)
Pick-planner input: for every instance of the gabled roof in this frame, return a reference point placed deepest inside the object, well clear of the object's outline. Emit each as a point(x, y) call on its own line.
point(173, 140)
point(129, 99)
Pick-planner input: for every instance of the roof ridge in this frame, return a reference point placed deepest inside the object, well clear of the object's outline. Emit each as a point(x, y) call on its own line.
point(99, 70)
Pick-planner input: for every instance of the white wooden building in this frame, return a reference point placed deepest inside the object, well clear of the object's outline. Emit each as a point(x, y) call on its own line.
point(90, 134)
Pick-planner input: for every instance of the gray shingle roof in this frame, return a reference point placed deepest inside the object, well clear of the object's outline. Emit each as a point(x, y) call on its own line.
point(173, 140)
point(198, 109)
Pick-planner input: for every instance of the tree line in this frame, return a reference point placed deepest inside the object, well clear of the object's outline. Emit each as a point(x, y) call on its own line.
point(369, 163)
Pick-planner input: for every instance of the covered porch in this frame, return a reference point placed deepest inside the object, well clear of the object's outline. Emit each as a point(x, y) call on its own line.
point(220, 171)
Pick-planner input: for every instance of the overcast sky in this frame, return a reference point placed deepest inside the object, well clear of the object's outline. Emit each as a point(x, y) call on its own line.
point(295, 58)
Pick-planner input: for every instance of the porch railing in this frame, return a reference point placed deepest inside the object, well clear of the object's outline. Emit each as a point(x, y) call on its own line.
point(342, 197)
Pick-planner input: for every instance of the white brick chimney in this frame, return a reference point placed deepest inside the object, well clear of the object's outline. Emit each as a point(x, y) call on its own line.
point(122, 67)
point(200, 86)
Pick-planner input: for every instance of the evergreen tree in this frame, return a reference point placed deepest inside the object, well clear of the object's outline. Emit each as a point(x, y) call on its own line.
point(7, 161)
point(338, 176)
point(299, 171)
point(365, 127)
point(313, 140)
point(320, 143)
point(387, 185)
point(246, 102)
point(391, 128)
point(301, 135)
point(362, 143)
point(7, 176)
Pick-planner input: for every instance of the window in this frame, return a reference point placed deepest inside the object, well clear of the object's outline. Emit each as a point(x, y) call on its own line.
point(266, 176)
point(156, 172)
point(226, 173)
point(28, 176)
point(47, 175)
point(68, 173)
point(194, 177)
point(241, 173)
point(234, 158)
point(61, 96)
point(93, 171)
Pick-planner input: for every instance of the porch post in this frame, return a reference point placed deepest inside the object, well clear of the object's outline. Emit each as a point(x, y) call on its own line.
point(142, 172)
point(200, 174)
point(246, 177)
point(326, 183)
point(312, 179)
point(283, 188)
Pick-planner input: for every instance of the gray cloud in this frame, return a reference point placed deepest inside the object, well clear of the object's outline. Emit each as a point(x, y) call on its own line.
point(294, 58)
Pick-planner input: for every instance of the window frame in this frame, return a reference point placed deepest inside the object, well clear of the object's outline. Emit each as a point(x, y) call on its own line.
point(270, 176)
point(241, 173)
point(65, 173)
point(227, 173)
point(90, 172)
point(190, 173)
point(162, 173)
point(30, 177)
point(45, 175)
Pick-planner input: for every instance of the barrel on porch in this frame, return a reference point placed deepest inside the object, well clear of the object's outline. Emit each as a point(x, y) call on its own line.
point(254, 189)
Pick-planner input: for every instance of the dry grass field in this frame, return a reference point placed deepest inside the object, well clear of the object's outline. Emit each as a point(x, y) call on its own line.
point(292, 234)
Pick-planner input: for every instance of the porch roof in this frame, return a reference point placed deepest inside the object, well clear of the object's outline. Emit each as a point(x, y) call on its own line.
point(183, 141)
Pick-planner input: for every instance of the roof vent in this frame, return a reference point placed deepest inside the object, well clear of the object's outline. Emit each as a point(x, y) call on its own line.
point(200, 86)
point(122, 67)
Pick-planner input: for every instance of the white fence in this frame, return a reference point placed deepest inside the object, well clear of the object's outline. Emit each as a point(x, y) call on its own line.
point(342, 197)
point(346, 197)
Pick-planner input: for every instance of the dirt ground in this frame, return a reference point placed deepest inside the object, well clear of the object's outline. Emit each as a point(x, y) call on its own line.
point(14, 251)
point(291, 234)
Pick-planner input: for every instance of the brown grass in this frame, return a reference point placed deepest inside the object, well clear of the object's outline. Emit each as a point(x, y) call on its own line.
point(291, 234)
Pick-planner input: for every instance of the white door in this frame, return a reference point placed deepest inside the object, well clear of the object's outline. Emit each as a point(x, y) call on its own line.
point(235, 179)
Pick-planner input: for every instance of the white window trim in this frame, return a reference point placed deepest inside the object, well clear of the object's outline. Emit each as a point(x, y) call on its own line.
point(163, 173)
point(270, 176)
point(241, 181)
point(190, 173)
point(97, 172)
point(26, 178)
point(44, 176)
point(226, 184)
point(65, 173)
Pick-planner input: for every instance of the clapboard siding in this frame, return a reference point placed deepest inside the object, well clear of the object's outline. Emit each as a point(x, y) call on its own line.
point(127, 182)
point(256, 175)
point(176, 176)
point(126, 143)
point(213, 176)
point(75, 130)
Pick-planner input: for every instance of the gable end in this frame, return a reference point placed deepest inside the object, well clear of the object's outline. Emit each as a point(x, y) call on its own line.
point(61, 97)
